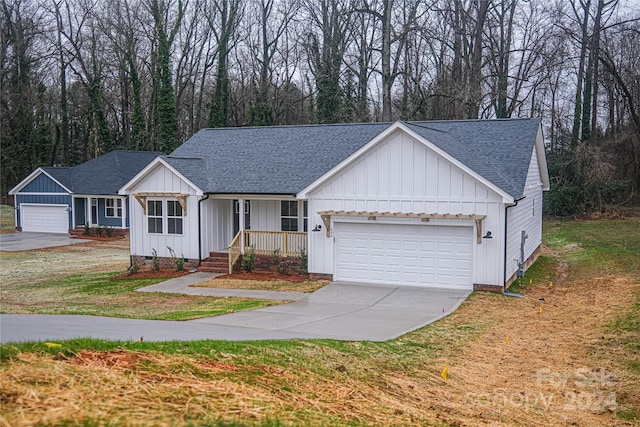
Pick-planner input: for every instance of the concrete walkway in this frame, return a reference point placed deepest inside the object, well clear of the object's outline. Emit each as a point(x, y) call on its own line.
point(182, 285)
point(340, 310)
point(26, 241)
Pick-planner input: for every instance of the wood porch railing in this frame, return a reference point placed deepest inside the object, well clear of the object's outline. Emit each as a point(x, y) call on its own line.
point(289, 243)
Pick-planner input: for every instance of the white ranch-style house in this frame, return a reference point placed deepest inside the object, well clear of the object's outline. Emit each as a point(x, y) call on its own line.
point(448, 204)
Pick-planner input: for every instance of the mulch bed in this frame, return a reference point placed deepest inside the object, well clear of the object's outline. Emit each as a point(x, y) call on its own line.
point(272, 275)
point(98, 238)
point(151, 274)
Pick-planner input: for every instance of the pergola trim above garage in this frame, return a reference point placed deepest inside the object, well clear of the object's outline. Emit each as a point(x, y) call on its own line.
point(424, 217)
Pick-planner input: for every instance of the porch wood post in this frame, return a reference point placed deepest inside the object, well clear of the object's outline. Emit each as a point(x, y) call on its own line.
point(285, 246)
point(241, 224)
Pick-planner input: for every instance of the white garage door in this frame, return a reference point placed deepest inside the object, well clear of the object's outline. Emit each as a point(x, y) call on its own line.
point(422, 255)
point(45, 218)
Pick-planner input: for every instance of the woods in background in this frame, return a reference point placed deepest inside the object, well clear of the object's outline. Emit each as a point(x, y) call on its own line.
point(80, 78)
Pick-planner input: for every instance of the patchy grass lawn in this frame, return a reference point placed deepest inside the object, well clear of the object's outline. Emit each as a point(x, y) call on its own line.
point(7, 219)
point(30, 267)
point(100, 295)
point(570, 359)
point(263, 285)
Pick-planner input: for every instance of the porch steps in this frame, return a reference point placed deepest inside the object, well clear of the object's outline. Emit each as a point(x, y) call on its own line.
point(217, 262)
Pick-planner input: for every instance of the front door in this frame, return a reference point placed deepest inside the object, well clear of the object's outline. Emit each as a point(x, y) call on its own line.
point(94, 211)
point(236, 216)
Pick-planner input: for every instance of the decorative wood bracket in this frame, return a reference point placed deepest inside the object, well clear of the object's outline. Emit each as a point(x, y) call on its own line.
point(143, 202)
point(142, 199)
point(424, 217)
point(326, 219)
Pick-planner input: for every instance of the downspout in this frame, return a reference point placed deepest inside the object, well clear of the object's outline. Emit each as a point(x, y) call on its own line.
point(200, 229)
point(506, 220)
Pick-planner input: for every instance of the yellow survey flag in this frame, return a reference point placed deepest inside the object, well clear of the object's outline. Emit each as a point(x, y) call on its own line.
point(444, 372)
point(540, 309)
point(53, 345)
point(551, 284)
point(508, 340)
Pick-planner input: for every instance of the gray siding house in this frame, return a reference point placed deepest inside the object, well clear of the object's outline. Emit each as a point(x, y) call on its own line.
point(61, 199)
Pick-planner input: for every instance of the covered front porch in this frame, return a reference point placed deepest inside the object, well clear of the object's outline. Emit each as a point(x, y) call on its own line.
point(268, 226)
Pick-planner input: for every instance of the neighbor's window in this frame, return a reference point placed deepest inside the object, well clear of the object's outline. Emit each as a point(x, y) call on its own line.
point(174, 217)
point(154, 216)
point(113, 208)
point(289, 215)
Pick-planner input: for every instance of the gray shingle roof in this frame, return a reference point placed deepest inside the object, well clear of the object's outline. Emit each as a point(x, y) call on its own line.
point(286, 159)
point(104, 175)
point(60, 174)
point(270, 160)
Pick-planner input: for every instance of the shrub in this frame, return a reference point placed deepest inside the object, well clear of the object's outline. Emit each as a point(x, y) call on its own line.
point(134, 268)
point(155, 266)
point(276, 258)
point(87, 230)
point(109, 231)
point(99, 231)
point(283, 267)
point(303, 262)
point(179, 262)
point(249, 261)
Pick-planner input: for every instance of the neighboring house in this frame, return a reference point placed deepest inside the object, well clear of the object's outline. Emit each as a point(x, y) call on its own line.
point(452, 204)
point(61, 199)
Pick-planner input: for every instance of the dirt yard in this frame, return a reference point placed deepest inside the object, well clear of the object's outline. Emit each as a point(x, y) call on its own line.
point(44, 264)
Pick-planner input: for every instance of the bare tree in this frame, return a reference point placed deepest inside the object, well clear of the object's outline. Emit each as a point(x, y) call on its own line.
point(224, 19)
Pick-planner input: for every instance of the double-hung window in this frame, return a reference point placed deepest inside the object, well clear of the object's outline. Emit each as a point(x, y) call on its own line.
point(289, 215)
point(174, 217)
point(113, 208)
point(161, 212)
point(154, 216)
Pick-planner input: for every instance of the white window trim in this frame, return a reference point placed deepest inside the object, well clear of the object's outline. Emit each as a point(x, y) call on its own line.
point(289, 217)
point(117, 207)
point(148, 216)
point(181, 217)
point(164, 217)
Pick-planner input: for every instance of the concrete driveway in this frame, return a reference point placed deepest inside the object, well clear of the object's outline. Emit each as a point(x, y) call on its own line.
point(340, 311)
point(26, 241)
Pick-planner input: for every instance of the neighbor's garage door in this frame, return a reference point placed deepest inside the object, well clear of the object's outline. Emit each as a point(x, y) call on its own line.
point(423, 255)
point(45, 218)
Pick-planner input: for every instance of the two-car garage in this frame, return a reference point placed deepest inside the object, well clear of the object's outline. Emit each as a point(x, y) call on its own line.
point(44, 218)
point(404, 254)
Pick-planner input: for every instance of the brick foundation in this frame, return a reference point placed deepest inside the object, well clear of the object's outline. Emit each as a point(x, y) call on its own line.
point(487, 288)
point(528, 263)
point(166, 263)
point(265, 264)
point(321, 276)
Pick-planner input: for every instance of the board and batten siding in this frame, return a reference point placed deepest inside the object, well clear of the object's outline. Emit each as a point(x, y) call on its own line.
point(401, 174)
point(163, 180)
point(43, 184)
point(42, 190)
point(525, 216)
point(265, 215)
point(217, 225)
